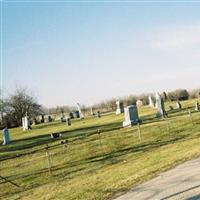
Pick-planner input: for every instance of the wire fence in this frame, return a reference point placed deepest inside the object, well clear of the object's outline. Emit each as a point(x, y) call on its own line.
point(65, 156)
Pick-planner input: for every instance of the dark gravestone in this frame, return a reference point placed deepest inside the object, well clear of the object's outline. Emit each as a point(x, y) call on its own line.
point(71, 115)
point(77, 114)
point(35, 121)
point(197, 107)
point(56, 135)
point(50, 119)
point(62, 119)
point(171, 108)
point(68, 120)
point(29, 124)
point(42, 119)
point(6, 136)
point(98, 114)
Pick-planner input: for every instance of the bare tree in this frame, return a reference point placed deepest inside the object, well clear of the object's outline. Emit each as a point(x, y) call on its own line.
point(20, 103)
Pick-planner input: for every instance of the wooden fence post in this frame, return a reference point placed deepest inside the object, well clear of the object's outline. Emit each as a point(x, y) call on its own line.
point(48, 159)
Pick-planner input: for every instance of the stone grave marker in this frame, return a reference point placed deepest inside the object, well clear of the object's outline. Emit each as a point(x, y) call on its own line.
point(77, 114)
point(56, 135)
point(151, 102)
point(71, 115)
point(131, 116)
point(92, 112)
point(160, 106)
point(62, 119)
point(35, 121)
point(98, 114)
point(139, 103)
point(6, 136)
point(79, 110)
point(50, 118)
point(42, 119)
point(120, 107)
point(68, 121)
point(178, 105)
point(197, 107)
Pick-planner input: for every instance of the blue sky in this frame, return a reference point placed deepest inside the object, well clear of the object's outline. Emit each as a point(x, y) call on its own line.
point(67, 52)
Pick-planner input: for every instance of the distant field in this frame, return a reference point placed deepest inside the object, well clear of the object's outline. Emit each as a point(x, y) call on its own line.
point(93, 166)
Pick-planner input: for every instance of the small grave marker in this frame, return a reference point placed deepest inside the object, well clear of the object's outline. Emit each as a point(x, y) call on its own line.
point(48, 159)
point(6, 136)
point(120, 107)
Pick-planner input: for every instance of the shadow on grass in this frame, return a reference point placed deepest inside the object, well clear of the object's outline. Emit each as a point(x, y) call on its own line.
point(73, 135)
point(101, 160)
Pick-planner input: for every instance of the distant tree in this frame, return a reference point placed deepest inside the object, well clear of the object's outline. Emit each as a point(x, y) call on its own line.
point(130, 100)
point(19, 103)
point(180, 94)
point(194, 93)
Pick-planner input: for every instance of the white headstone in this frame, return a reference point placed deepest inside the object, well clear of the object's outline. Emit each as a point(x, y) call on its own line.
point(178, 105)
point(79, 110)
point(68, 121)
point(91, 111)
point(131, 116)
point(120, 107)
point(6, 136)
point(25, 123)
point(197, 107)
point(160, 106)
point(139, 102)
point(151, 102)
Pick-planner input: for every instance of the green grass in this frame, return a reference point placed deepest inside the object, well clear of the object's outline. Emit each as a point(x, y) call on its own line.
point(93, 167)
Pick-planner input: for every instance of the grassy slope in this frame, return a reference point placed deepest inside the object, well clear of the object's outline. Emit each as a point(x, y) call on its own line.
point(94, 169)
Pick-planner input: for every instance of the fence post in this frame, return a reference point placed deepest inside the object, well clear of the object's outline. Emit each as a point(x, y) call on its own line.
point(190, 116)
point(99, 136)
point(139, 131)
point(48, 159)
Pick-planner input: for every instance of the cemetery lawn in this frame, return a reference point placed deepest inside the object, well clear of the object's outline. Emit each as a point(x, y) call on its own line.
point(93, 166)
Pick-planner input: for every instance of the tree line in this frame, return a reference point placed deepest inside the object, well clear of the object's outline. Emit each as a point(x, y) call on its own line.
point(20, 103)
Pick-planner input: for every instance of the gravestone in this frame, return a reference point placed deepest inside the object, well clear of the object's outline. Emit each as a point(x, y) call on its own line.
point(98, 114)
point(197, 108)
point(35, 121)
point(62, 118)
point(139, 103)
point(68, 121)
point(77, 114)
point(29, 124)
point(71, 115)
point(42, 119)
point(50, 118)
point(178, 105)
point(56, 135)
point(120, 107)
point(131, 116)
point(25, 123)
point(92, 112)
point(160, 106)
point(6, 136)
point(79, 110)
point(151, 102)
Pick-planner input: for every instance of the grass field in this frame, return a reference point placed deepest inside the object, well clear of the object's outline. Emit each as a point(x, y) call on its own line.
point(96, 166)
